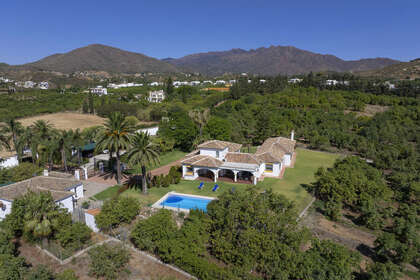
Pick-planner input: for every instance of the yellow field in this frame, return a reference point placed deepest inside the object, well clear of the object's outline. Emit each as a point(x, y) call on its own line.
point(66, 120)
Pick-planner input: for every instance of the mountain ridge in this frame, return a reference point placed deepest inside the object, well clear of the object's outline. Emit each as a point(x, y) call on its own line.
point(271, 60)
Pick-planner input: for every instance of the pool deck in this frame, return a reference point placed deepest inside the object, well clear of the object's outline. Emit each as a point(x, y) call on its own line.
point(163, 198)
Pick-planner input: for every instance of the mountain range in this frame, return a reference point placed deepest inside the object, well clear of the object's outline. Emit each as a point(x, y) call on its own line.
point(267, 61)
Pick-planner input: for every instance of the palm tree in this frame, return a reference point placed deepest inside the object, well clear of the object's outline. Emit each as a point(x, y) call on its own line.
point(27, 140)
point(143, 152)
point(13, 129)
point(200, 117)
point(42, 129)
point(64, 142)
point(77, 141)
point(115, 137)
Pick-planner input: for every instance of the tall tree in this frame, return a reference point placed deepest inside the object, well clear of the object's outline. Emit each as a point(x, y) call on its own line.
point(13, 129)
point(169, 88)
point(115, 137)
point(200, 117)
point(142, 153)
point(64, 145)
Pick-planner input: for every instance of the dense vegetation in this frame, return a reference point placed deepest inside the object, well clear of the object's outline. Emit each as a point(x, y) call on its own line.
point(36, 102)
point(36, 218)
point(245, 235)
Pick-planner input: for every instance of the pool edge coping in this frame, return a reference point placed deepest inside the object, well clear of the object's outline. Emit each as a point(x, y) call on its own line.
point(158, 206)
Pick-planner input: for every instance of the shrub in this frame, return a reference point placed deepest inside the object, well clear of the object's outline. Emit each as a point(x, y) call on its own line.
point(67, 274)
point(40, 272)
point(108, 261)
point(117, 211)
point(159, 227)
point(74, 235)
point(85, 204)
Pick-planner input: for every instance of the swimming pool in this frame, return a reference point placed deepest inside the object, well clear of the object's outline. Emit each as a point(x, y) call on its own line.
point(183, 202)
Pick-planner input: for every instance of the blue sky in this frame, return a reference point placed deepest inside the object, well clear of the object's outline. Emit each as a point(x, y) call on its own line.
point(355, 29)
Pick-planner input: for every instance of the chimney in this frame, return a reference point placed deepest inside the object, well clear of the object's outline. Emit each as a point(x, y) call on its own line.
point(292, 135)
point(45, 172)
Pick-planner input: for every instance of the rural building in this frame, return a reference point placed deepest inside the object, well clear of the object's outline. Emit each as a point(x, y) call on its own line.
point(43, 85)
point(220, 159)
point(156, 96)
point(99, 90)
point(29, 84)
point(64, 189)
point(294, 81)
point(8, 159)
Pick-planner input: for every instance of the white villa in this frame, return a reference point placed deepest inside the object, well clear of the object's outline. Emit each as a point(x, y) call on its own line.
point(99, 90)
point(156, 96)
point(223, 160)
point(64, 189)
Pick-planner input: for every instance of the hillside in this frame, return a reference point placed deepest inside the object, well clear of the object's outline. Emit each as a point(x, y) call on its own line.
point(100, 58)
point(271, 61)
point(404, 70)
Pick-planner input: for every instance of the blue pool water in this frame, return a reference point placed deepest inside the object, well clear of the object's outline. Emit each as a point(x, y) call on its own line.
point(186, 202)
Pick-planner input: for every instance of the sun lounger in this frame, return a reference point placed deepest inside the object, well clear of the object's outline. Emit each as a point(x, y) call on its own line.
point(215, 187)
point(201, 186)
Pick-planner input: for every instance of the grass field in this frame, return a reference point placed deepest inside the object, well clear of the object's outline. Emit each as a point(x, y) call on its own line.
point(66, 121)
point(168, 158)
point(307, 162)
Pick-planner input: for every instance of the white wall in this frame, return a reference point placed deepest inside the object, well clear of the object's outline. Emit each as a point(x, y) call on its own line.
point(152, 131)
point(6, 209)
point(287, 159)
point(66, 203)
point(90, 222)
point(276, 170)
point(9, 162)
point(78, 191)
point(212, 152)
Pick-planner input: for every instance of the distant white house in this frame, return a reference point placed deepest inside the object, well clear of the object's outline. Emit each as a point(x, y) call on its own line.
point(154, 84)
point(389, 85)
point(232, 81)
point(8, 160)
point(99, 90)
point(262, 81)
point(43, 85)
point(294, 80)
point(208, 82)
point(156, 96)
point(195, 83)
point(29, 84)
point(220, 82)
point(124, 85)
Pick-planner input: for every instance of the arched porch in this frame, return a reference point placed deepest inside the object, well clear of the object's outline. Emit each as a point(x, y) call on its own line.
point(245, 177)
point(205, 174)
point(226, 175)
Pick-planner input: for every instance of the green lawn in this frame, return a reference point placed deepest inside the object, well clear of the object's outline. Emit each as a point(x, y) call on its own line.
point(307, 162)
point(167, 158)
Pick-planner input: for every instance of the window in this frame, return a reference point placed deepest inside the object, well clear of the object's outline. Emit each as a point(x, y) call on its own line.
point(190, 170)
point(268, 167)
point(217, 154)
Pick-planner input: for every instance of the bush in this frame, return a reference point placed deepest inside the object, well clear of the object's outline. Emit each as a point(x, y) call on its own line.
point(40, 272)
point(108, 261)
point(67, 274)
point(117, 211)
point(85, 204)
point(159, 227)
point(74, 235)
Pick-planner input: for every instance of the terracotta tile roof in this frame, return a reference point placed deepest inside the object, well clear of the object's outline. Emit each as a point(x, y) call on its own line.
point(221, 145)
point(267, 157)
point(242, 158)
point(58, 187)
point(277, 147)
point(202, 160)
